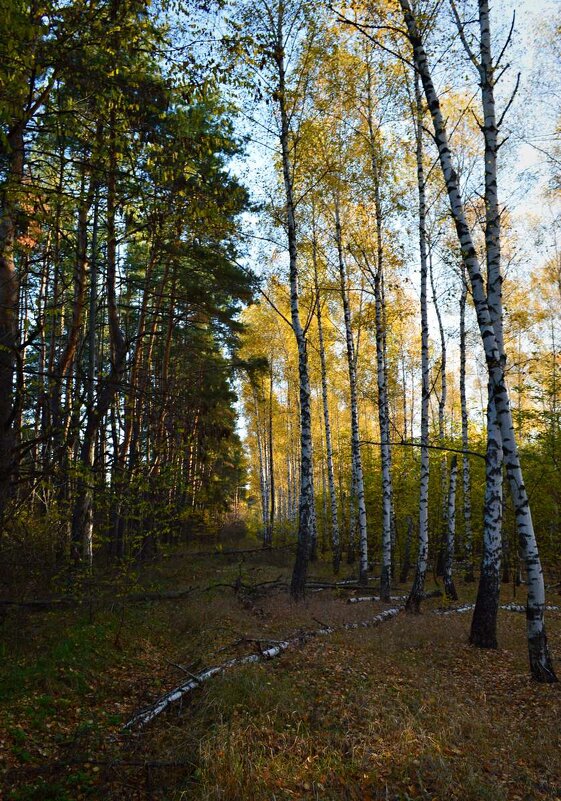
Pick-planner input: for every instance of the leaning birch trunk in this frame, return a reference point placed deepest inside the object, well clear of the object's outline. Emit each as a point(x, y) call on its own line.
point(306, 515)
point(466, 473)
point(449, 587)
point(540, 662)
point(418, 588)
point(355, 437)
point(335, 536)
point(484, 623)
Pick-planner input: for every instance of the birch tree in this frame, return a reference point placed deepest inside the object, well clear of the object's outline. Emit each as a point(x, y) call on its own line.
point(418, 588)
point(487, 312)
point(466, 473)
point(335, 535)
point(355, 435)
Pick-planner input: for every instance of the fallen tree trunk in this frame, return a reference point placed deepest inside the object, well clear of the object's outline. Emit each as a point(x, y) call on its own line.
point(363, 598)
point(145, 716)
point(358, 599)
point(510, 607)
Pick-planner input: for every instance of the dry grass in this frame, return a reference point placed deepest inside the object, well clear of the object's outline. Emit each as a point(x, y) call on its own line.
point(403, 711)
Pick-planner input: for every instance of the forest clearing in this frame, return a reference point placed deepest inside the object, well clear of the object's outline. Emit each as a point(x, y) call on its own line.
point(403, 709)
point(280, 400)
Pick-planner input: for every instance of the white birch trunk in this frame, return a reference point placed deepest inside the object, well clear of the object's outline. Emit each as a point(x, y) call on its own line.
point(388, 516)
point(484, 623)
point(306, 512)
point(540, 662)
point(385, 577)
point(335, 537)
point(441, 554)
point(449, 587)
point(418, 588)
point(262, 479)
point(466, 471)
point(355, 436)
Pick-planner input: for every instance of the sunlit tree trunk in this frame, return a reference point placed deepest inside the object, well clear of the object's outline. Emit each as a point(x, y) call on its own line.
point(306, 511)
point(82, 515)
point(385, 578)
point(449, 587)
point(540, 661)
point(484, 623)
point(418, 588)
point(441, 553)
point(335, 537)
point(355, 435)
point(271, 518)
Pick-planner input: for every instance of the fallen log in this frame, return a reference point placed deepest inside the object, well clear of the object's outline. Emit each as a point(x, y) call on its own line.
point(509, 607)
point(148, 714)
point(358, 599)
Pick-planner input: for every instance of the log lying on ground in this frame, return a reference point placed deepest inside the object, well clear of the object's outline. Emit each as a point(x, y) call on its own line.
point(358, 599)
point(509, 607)
point(147, 715)
point(363, 598)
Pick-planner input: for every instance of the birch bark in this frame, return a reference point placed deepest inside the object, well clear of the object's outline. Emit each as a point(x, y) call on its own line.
point(355, 436)
point(540, 662)
point(335, 537)
point(385, 577)
point(414, 600)
point(306, 511)
point(484, 622)
point(449, 587)
point(466, 472)
point(441, 555)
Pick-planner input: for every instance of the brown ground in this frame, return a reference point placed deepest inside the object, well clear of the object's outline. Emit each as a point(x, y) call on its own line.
point(406, 710)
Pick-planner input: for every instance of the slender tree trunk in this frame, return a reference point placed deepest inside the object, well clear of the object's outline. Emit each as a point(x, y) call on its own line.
point(306, 512)
point(68, 354)
point(271, 520)
point(9, 298)
point(466, 472)
point(82, 516)
point(484, 622)
point(385, 578)
point(262, 467)
point(449, 587)
point(406, 564)
point(335, 536)
point(355, 435)
point(441, 553)
point(540, 662)
point(414, 600)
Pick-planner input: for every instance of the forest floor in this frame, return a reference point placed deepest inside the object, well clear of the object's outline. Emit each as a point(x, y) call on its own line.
point(404, 710)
